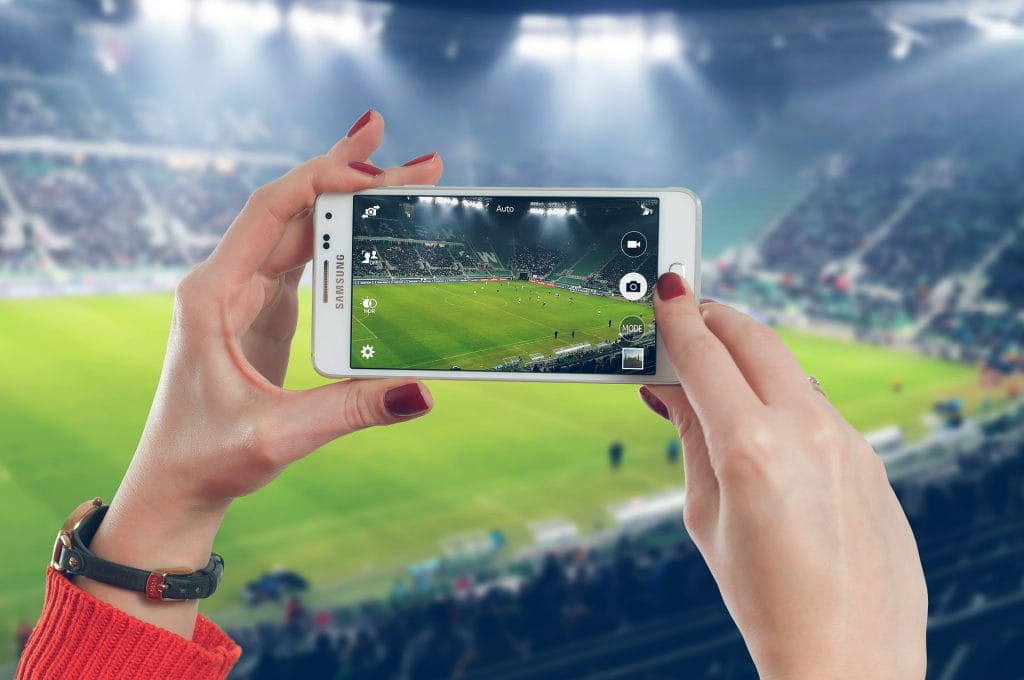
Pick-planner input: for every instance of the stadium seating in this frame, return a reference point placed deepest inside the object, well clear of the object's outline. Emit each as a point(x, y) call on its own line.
point(906, 245)
point(647, 607)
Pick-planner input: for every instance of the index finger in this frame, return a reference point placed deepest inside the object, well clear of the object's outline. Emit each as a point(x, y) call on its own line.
point(711, 379)
point(263, 220)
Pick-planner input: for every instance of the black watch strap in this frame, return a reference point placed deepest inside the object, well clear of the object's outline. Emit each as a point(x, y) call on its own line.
point(72, 556)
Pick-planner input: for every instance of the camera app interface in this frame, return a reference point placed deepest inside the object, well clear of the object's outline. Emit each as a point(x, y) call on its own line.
point(515, 284)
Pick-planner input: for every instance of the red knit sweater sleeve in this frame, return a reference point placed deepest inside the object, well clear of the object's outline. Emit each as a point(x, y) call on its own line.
point(79, 636)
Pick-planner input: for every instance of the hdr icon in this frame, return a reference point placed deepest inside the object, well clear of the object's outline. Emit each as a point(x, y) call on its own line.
point(508, 209)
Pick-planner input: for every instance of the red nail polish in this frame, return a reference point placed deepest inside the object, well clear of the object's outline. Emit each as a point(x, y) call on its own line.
point(653, 403)
point(365, 167)
point(405, 401)
point(359, 124)
point(670, 285)
point(420, 159)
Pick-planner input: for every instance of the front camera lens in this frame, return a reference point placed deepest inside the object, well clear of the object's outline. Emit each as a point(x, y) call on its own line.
point(328, 215)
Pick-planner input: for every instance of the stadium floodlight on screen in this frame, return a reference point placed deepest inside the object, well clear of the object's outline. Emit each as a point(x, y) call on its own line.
point(498, 284)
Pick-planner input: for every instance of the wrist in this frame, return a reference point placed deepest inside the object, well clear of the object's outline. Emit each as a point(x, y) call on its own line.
point(152, 533)
point(154, 530)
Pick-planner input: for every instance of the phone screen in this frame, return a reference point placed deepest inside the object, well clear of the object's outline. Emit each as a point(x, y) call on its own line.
point(504, 283)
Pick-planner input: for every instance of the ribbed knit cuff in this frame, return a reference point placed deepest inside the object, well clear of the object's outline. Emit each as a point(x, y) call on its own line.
point(79, 636)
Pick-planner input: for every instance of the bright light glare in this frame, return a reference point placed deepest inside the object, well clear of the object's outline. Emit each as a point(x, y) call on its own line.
point(167, 12)
point(552, 210)
point(543, 22)
point(344, 28)
point(261, 17)
point(595, 38)
point(901, 48)
point(610, 45)
point(543, 46)
point(994, 29)
point(665, 46)
point(469, 203)
point(426, 199)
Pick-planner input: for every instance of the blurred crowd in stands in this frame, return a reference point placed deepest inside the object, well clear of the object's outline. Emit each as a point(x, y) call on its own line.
point(896, 239)
point(899, 239)
point(901, 243)
point(647, 606)
point(536, 261)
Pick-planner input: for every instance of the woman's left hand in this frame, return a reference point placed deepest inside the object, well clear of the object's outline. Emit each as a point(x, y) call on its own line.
point(221, 424)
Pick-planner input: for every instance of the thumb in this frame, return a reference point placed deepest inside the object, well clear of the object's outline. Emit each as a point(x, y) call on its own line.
point(322, 414)
point(671, 403)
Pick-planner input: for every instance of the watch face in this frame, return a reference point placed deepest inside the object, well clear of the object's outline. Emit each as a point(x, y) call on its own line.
point(80, 513)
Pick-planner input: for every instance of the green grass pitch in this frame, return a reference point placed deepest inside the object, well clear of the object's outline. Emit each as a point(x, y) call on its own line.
point(77, 375)
point(476, 326)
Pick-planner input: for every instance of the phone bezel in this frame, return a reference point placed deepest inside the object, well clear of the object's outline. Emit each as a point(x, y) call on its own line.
point(679, 217)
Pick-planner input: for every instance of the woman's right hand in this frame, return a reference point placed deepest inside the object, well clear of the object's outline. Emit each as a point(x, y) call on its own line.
point(789, 505)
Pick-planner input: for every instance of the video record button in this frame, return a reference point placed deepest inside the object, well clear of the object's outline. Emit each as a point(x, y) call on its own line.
point(633, 244)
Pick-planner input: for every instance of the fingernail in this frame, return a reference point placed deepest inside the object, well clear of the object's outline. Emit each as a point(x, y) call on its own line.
point(365, 167)
point(420, 159)
point(359, 124)
point(670, 285)
point(653, 403)
point(704, 300)
point(405, 401)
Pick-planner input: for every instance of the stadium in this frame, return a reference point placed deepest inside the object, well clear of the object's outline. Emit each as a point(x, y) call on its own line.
point(861, 168)
point(455, 284)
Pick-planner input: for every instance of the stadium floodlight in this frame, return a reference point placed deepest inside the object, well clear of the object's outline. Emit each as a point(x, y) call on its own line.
point(536, 211)
point(609, 37)
point(234, 15)
point(167, 12)
point(346, 28)
point(543, 22)
point(993, 28)
point(426, 199)
point(572, 211)
point(543, 46)
point(470, 203)
point(543, 36)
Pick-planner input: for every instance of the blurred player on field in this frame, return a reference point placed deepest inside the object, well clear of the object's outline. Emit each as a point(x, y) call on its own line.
point(615, 452)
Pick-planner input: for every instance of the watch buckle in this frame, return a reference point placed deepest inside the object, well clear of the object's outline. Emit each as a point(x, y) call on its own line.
point(156, 584)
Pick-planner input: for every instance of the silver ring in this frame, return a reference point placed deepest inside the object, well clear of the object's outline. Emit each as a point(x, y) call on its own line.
point(816, 384)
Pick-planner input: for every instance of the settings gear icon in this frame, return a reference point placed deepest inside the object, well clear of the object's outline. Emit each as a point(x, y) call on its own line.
point(367, 352)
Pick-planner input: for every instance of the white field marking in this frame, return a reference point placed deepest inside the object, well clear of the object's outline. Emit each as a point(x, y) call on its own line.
point(448, 301)
point(490, 348)
point(365, 326)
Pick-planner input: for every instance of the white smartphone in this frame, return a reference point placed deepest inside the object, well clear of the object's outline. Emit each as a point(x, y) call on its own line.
point(498, 284)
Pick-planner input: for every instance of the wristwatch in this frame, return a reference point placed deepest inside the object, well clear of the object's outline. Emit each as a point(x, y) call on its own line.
point(71, 555)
